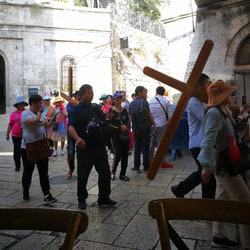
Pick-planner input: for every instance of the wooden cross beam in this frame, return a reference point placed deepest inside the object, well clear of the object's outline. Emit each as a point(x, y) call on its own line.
point(188, 90)
point(68, 98)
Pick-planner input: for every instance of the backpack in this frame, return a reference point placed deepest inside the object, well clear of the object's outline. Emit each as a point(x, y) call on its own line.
point(143, 120)
point(98, 131)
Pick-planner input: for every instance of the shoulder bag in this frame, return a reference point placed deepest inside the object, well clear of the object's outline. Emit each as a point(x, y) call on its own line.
point(38, 150)
point(234, 159)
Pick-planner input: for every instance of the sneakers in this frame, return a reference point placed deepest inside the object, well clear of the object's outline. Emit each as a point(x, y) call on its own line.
point(166, 165)
point(224, 243)
point(176, 192)
point(124, 178)
point(62, 152)
point(82, 204)
point(26, 197)
point(137, 170)
point(49, 199)
point(17, 169)
point(55, 153)
point(106, 202)
point(69, 175)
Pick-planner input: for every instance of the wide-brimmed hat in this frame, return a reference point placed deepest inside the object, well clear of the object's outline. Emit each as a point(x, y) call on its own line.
point(20, 99)
point(103, 96)
point(218, 92)
point(117, 94)
point(58, 99)
point(46, 97)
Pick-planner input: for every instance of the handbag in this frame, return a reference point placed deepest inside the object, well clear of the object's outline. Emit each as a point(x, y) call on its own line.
point(235, 168)
point(38, 150)
point(234, 159)
point(98, 130)
point(124, 136)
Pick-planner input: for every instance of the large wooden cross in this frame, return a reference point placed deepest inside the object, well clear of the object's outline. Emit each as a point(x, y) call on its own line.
point(188, 90)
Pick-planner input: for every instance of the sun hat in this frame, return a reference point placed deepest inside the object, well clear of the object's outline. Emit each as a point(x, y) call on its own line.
point(20, 99)
point(58, 99)
point(46, 97)
point(117, 94)
point(218, 92)
point(103, 96)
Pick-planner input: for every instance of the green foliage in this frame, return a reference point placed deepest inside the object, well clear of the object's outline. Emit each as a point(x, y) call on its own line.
point(149, 8)
point(80, 3)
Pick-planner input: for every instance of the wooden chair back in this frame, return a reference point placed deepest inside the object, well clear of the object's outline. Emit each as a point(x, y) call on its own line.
point(164, 210)
point(70, 222)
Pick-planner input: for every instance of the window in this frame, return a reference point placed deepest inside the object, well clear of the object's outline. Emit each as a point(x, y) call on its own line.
point(66, 62)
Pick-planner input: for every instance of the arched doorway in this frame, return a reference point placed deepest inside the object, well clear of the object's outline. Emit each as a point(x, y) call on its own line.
point(242, 71)
point(64, 76)
point(2, 86)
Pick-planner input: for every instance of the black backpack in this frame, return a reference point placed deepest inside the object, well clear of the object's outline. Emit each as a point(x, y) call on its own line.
point(142, 117)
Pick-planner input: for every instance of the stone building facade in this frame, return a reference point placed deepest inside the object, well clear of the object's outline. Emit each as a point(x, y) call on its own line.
point(39, 42)
point(227, 24)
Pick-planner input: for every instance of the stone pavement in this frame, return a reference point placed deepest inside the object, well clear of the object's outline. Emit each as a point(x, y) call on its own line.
point(126, 226)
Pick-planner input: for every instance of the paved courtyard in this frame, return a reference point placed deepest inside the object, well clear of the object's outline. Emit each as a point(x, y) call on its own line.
point(126, 226)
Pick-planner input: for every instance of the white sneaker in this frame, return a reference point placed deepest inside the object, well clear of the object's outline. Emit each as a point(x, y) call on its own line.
point(55, 153)
point(62, 152)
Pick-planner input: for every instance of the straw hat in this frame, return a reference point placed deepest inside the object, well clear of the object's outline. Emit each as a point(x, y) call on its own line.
point(58, 99)
point(20, 99)
point(218, 92)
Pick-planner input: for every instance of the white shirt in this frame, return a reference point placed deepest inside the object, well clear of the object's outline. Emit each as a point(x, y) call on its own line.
point(158, 112)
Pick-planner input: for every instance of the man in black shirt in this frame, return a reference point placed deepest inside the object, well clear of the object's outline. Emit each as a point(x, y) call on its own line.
point(84, 123)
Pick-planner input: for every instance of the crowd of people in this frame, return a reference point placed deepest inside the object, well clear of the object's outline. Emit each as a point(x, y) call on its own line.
point(91, 130)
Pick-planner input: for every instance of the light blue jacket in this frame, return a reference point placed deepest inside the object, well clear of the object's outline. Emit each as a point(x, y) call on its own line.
point(195, 113)
point(215, 140)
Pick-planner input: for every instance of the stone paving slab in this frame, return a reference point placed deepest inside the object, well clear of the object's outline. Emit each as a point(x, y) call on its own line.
point(125, 226)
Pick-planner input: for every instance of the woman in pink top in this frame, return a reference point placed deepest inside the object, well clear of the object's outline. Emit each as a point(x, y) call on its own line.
point(107, 104)
point(15, 126)
point(60, 130)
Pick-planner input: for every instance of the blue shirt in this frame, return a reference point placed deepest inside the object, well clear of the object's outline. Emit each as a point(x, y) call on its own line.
point(195, 114)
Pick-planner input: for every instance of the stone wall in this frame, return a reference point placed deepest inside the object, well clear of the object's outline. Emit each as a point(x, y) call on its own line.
point(227, 25)
point(34, 39)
